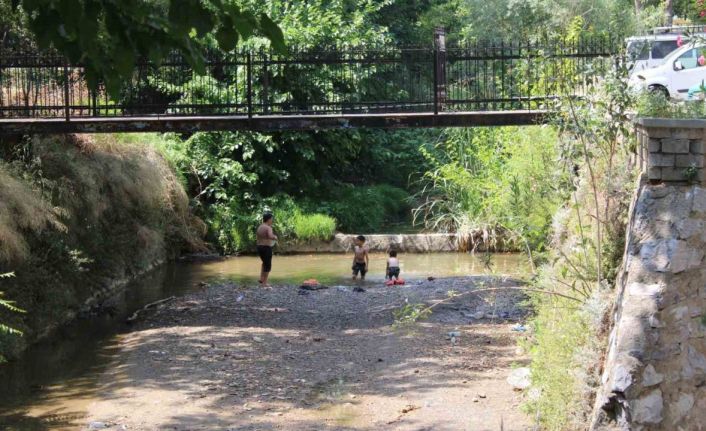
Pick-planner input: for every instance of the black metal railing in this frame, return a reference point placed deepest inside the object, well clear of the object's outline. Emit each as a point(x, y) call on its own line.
point(499, 76)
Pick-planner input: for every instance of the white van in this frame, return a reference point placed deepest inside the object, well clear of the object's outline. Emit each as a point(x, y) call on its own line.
point(646, 52)
point(679, 71)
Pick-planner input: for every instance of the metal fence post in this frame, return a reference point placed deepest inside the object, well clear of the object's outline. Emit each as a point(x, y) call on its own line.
point(439, 69)
point(67, 112)
point(249, 72)
point(94, 101)
point(265, 85)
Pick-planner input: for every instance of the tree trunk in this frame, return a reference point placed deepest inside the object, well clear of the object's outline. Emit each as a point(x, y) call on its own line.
point(638, 6)
point(668, 12)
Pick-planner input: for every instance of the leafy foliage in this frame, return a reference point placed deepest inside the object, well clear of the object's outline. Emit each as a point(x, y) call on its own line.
point(656, 104)
point(110, 36)
point(10, 305)
point(366, 209)
point(495, 181)
point(588, 240)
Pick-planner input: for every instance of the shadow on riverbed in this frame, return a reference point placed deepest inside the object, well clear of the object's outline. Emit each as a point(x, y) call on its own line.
point(278, 354)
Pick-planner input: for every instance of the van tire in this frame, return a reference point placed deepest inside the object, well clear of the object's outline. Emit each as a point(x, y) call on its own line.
point(658, 89)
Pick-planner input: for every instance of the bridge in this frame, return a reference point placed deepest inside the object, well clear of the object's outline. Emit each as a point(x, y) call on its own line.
point(460, 85)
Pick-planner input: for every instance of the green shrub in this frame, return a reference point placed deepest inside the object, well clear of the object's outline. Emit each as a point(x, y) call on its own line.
point(232, 224)
point(559, 327)
point(656, 104)
point(366, 209)
point(309, 227)
point(501, 180)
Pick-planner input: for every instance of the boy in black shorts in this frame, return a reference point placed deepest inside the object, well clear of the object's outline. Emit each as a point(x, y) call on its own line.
point(360, 258)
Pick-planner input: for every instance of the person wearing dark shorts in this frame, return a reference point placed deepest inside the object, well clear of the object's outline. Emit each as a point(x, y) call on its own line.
point(393, 266)
point(360, 258)
point(265, 240)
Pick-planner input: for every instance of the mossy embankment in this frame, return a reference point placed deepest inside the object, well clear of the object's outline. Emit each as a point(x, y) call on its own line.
point(78, 216)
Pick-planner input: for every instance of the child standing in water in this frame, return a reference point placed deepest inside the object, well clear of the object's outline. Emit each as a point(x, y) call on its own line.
point(393, 266)
point(360, 258)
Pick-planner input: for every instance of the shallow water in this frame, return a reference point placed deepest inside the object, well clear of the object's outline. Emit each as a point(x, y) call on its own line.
point(52, 385)
point(336, 268)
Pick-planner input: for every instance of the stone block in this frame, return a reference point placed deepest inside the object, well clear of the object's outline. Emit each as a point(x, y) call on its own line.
point(699, 201)
point(642, 289)
point(688, 160)
point(686, 228)
point(648, 409)
point(622, 378)
point(651, 377)
point(680, 312)
point(654, 173)
point(696, 147)
point(661, 160)
point(696, 133)
point(696, 359)
point(696, 328)
point(659, 132)
point(670, 255)
point(673, 174)
point(679, 409)
point(680, 133)
point(654, 145)
point(678, 146)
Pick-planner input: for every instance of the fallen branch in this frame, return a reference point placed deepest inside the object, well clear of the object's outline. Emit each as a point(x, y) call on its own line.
point(134, 315)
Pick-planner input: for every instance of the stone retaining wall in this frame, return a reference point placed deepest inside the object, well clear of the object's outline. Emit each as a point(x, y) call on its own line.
point(406, 243)
point(655, 371)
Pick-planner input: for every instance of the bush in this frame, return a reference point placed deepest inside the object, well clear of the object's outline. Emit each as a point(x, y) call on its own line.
point(505, 180)
point(310, 227)
point(232, 224)
point(656, 104)
point(367, 209)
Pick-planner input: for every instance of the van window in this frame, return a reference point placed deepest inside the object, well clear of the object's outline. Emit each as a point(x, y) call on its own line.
point(662, 48)
point(639, 50)
point(689, 59)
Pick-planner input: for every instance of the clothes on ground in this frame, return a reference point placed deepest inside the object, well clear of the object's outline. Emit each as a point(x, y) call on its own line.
point(265, 253)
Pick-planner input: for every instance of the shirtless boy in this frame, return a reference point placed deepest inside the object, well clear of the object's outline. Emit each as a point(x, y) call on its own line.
point(360, 258)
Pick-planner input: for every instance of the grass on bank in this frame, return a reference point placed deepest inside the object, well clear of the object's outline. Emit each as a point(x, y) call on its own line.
point(314, 227)
point(76, 212)
point(588, 236)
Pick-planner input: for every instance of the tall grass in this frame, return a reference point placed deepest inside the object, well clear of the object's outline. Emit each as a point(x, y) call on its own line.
point(311, 227)
point(586, 250)
point(491, 185)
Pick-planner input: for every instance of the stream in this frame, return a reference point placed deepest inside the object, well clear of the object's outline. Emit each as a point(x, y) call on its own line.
point(56, 379)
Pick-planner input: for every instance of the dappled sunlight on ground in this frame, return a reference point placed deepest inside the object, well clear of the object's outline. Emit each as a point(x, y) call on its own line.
point(274, 361)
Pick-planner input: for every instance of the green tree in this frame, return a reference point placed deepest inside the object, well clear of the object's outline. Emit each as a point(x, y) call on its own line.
point(110, 36)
